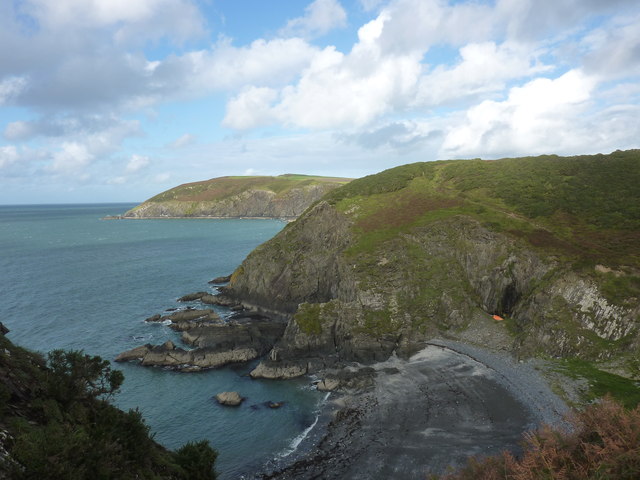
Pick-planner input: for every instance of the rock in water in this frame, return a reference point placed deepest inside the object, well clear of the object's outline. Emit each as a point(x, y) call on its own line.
point(137, 353)
point(232, 399)
point(220, 280)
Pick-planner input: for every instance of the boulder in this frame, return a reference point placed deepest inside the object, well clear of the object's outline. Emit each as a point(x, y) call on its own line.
point(278, 370)
point(220, 300)
point(191, 297)
point(134, 354)
point(328, 384)
point(3, 330)
point(220, 280)
point(232, 399)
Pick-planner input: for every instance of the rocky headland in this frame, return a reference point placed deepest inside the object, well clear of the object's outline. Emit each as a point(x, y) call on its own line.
point(387, 262)
point(367, 277)
point(285, 197)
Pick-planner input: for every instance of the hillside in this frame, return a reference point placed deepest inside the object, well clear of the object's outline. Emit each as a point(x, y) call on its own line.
point(550, 244)
point(284, 196)
point(56, 423)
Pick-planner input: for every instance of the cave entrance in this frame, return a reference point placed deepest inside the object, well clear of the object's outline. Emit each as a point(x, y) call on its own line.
point(508, 301)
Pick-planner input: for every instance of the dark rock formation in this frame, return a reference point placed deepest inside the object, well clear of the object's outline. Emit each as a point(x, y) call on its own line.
point(190, 297)
point(217, 343)
point(220, 280)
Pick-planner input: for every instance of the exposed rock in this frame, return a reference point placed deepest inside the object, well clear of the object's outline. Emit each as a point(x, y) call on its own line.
point(328, 384)
point(232, 399)
point(3, 330)
point(220, 300)
point(185, 319)
point(137, 353)
point(220, 280)
point(275, 405)
point(218, 343)
point(278, 371)
point(260, 335)
point(439, 278)
point(190, 297)
point(250, 200)
point(348, 380)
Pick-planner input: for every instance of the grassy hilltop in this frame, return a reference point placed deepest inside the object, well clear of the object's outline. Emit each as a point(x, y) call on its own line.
point(549, 243)
point(583, 207)
point(251, 196)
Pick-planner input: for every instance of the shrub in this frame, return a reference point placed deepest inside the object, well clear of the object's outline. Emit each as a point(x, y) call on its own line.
point(604, 443)
point(197, 460)
point(74, 376)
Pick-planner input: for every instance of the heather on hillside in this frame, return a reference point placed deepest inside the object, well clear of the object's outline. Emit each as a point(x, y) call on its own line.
point(603, 443)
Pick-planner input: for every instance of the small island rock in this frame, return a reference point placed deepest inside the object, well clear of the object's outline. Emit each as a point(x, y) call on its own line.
point(232, 399)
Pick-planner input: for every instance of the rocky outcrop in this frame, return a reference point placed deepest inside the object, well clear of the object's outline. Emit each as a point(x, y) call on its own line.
point(220, 280)
point(217, 343)
point(175, 358)
point(232, 399)
point(440, 278)
point(258, 202)
point(276, 277)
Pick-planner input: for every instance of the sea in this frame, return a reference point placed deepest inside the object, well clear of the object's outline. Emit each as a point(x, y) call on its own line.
point(71, 279)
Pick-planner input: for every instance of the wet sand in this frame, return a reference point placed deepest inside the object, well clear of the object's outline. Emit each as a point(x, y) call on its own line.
point(447, 403)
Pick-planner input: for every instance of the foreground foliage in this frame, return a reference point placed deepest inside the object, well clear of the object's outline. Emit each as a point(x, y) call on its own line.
point(604, 443)
point(58, 424)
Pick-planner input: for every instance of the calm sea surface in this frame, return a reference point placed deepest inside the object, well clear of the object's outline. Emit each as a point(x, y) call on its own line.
point(71, 280)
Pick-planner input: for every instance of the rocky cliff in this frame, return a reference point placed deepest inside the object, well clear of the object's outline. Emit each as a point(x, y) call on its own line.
point(438, 248)
point(285, 196)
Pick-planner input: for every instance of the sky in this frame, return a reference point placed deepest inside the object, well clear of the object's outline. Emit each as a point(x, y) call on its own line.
point(118, 100)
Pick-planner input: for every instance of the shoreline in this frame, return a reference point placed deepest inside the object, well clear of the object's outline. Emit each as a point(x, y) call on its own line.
point(446, 403)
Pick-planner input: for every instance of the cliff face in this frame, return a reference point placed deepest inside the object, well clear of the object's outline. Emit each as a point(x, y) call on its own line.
point(271, 197)
point(361, 276)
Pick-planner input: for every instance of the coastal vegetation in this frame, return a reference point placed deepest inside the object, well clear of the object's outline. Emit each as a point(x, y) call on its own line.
point(602, 443)
point(56, 422)
point(548, 243)
point(284, 196)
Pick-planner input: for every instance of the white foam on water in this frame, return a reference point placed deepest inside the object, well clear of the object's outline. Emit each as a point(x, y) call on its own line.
point(295, 443)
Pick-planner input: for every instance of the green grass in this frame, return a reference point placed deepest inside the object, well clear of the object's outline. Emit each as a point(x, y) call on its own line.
point(601, 383)
point(224, 187)
point(308, 318)
point(584, 208)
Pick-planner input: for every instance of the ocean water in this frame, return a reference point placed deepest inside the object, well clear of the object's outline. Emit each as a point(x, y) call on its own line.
point(69, 279)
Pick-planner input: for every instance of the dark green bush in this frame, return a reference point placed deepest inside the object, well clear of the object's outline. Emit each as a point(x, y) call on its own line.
point(197, 460)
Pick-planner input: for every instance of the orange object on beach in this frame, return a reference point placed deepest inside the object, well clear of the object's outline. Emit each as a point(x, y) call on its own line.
point(498, 317)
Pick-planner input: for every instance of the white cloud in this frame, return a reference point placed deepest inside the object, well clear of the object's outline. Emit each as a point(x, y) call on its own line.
point(183, 141)
point(250, 108)
point(335, 90)
point(18, 130)
point(137, 163)
point(224, 66)
point(614, 49)
point(483, 68)
point(117, 181)
point(130, 20)
point(8, 155)
point(541, 116)
point(320, 17)
point(161, 177)
point(72, 158)
point(11, 87)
